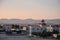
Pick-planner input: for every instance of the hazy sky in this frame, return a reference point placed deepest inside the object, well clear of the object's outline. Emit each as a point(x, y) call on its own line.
point(35, 9)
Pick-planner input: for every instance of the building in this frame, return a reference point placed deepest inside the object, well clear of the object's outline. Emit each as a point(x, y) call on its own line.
point(1, 28)
point(7, 27)
point(37, 28)
point(40, 27)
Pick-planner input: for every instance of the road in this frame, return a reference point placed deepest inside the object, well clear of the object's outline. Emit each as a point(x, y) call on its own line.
point(20, 37)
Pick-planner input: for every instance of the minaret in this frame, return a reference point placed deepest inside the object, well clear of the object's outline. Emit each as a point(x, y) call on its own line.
point(30, 30)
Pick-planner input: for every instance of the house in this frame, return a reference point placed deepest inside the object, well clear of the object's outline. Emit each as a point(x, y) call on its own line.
point(7, 27)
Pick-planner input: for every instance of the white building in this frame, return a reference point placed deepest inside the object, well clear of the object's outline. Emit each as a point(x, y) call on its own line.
point(49, 28)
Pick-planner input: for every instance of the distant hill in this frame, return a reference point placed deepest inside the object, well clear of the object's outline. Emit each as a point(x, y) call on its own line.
point(27, 21)
point(18, 21)
point(54, 21)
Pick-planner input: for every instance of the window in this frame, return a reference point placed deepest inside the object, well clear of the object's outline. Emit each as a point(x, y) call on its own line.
point(37, 28)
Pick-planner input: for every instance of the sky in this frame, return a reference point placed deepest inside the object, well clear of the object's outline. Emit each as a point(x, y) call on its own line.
point(35, 9)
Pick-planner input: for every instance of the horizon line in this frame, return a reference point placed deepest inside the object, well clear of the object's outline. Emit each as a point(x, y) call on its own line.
point(29, 18)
